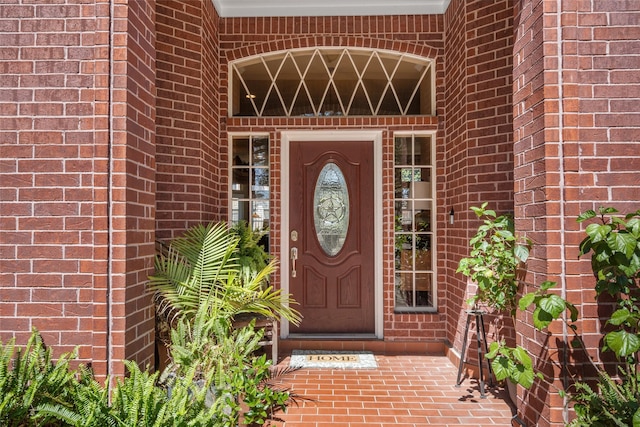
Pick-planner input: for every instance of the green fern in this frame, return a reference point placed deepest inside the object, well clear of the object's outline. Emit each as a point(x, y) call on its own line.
point(29, 379)
point(613, 404)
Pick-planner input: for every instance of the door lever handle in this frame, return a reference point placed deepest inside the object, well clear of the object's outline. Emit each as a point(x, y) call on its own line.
point(294, 257)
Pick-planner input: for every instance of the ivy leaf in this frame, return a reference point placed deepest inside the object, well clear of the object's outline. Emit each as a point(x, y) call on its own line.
point(607, 210)
point(523, 357)
point(598, 232)
point(553, 304)
point(622, 343)
point(620, 316)
point(526, 301)
point(541, 318)
point(500, 367)
point(586, 215)
point(574, 312)
point(633, 226)
point(494, 347)
point(585, 246)
point(622, 242)
point(521, 252)
point(546, 285)
point(525, 378)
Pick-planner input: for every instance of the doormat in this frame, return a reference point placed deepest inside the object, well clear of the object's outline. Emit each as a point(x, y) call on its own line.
point(333, 359)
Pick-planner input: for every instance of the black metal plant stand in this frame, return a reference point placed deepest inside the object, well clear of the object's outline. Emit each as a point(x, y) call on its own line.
point(481, 341)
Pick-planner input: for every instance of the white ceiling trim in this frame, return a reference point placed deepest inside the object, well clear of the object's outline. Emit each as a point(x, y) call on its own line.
point(249, 8)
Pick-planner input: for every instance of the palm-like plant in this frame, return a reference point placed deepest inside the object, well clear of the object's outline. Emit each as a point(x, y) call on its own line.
point(201, 268)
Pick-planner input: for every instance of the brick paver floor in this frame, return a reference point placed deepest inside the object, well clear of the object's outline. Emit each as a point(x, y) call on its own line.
point(404, 391)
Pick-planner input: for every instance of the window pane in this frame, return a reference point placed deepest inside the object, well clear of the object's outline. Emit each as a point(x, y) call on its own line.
point(240, 184)
point(240, 151)
point(260, 151)
point(423, 290)
point(260, 215)
point(404, 289)
point(240, 211)
point(260, 183)
point(423, 150)
point(403, 150)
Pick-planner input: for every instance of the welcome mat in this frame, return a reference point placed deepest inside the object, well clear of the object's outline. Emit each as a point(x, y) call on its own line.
point(333, 359)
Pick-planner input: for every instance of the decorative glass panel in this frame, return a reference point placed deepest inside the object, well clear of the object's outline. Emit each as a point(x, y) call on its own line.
point(331, 209)
point(332, 82)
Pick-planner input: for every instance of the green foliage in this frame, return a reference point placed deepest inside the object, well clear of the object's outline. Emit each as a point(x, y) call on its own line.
point(513, 364)
point(614, 245)
point(211, 345)
point(219, 382)
point(496, 254)
point(29, 379)
point(252, 257)
point(613, 403)
point(260, 394)
point(201, 268)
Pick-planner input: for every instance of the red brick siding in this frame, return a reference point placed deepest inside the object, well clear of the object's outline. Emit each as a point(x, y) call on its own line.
point(576, 132)
point(187, 141)
point(478, 134)
point(54, 136)
point(138, 224)
point(58, 180)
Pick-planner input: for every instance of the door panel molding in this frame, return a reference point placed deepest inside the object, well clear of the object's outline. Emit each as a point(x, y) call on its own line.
point(333, 135)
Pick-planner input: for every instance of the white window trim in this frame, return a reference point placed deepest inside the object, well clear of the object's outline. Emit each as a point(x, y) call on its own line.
point(434, 226)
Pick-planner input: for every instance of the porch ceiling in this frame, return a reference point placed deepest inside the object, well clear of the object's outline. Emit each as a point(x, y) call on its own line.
point(245, 8)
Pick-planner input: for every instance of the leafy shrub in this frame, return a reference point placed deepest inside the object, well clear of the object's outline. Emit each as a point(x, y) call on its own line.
point(614, 244)
point(495, 258)
point(493, 262)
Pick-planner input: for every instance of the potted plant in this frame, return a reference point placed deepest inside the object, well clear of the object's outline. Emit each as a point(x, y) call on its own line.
point(202, 266)
point(496, 262)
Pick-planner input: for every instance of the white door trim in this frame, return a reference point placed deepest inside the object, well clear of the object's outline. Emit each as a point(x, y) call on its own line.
point(286, 136)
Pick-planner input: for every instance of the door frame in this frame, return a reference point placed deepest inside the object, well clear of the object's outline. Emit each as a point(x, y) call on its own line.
point(375, 136)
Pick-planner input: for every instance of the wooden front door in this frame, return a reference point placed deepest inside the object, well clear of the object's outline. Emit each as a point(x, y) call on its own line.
point(331, 236)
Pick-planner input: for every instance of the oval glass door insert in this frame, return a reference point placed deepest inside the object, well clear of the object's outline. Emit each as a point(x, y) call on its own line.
point(331, 209)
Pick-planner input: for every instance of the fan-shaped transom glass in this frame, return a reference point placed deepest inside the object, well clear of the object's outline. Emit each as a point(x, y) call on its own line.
point(332, 82)
point(331, 209)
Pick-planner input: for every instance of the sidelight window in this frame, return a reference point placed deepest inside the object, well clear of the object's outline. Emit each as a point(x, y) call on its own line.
point(332, 82)
point(249, 184)
point(414, 222)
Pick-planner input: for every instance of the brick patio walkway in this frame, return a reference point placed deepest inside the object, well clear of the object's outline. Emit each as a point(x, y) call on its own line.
point(404, 391)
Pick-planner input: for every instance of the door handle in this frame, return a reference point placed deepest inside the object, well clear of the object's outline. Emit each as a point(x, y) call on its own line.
point(294, 257)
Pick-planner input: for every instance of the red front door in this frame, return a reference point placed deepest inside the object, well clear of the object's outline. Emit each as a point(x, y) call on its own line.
point(332, 235)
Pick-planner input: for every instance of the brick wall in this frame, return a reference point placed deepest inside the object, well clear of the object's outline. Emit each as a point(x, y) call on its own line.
point(133, 183)
point(419, 35)
point(53, 132)
point(76, 230)
point(576, 130)
point(478, 134)
point(187, 131)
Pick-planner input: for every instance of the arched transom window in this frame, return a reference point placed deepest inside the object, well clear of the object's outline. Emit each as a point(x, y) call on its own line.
point(332, 82)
